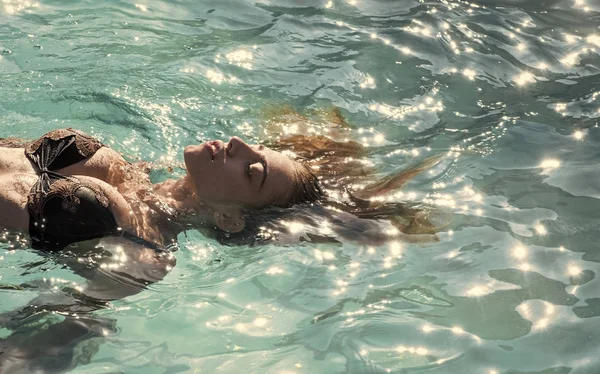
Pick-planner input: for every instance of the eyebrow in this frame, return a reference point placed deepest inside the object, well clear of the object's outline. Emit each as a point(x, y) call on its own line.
point(263, 161)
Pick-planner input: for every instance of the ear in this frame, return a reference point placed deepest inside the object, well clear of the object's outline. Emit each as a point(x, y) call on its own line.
point(229, 220)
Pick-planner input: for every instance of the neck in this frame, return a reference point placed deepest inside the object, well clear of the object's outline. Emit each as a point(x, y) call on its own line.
point(183, 208)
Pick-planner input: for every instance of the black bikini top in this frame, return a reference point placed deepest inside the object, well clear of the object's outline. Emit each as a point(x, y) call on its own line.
point(64, 209)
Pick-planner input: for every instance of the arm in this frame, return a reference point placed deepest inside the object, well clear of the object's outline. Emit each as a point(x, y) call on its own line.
point(42, 341)
point(125, 269)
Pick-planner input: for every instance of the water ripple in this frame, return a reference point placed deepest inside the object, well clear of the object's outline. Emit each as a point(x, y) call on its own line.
point(505, 90)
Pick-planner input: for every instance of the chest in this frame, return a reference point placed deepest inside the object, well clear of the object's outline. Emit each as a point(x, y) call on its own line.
point(134, 213)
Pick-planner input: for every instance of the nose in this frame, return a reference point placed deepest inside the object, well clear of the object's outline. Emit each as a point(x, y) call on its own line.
point(237, 146)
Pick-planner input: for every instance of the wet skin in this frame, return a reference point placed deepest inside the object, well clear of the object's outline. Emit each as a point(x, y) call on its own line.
point(239, 173)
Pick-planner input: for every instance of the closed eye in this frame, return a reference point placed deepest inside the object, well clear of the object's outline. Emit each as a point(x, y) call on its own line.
point(251, 168)
point(263, 163)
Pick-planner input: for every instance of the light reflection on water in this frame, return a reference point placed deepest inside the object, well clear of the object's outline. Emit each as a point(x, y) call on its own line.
point(505, 91)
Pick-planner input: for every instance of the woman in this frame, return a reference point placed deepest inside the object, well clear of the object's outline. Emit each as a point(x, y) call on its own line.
point(68, 190)
point(66, 187)
point(76, 196)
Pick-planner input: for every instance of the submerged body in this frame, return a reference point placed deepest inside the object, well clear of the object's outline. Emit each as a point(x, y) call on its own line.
point(226, 186)
point(66, 187)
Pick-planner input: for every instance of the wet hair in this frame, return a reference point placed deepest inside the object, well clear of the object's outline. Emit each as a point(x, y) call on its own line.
point(306, 187)
point(351, 213)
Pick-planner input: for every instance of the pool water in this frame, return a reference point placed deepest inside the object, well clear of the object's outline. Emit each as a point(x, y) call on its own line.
point(506, 90)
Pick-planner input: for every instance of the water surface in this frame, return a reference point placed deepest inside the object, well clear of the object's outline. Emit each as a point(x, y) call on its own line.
point(506, 90)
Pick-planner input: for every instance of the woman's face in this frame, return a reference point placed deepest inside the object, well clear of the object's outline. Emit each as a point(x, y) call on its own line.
point(239, 173)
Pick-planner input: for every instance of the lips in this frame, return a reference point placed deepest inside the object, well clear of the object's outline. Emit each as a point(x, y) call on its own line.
point(213, 148)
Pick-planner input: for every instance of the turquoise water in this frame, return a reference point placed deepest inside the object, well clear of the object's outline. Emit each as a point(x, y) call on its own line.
point(506, 90)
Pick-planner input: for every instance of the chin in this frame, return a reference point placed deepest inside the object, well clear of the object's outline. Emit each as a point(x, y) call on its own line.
point(191, 150)
point(192, 156)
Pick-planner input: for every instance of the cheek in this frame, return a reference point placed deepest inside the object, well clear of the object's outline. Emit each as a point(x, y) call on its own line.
point(232, 184)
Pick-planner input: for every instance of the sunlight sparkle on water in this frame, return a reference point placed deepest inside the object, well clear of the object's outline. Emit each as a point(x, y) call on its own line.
point(570, 38)
point(325, 228)
point(427, 328)
point(519, 251)
point(550, 164)
point(260, 322)
point(540, 229)
point(215, 77)
point(273, 270)
point(421, 351)
point(477, 291)
point(524, 78)
point(395, 248)
point(241, 58)
point(469, 73)
point(560, 107)
point(16, 6)
point(368, 82)
point(594, 39)
point(325, 255)
point(570, 59)
point(542, 323)
point(573, 270)
point(294, 227)
point(578, 135)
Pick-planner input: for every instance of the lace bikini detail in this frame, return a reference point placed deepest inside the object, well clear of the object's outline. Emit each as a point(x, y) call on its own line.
point(64, 209)
point(85, 144)
point(66, 190)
